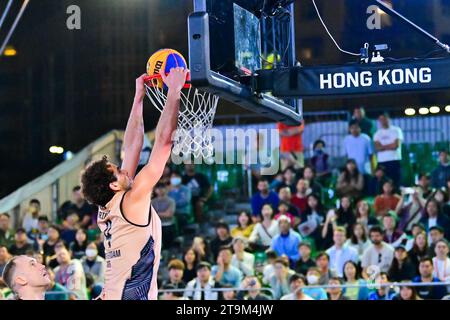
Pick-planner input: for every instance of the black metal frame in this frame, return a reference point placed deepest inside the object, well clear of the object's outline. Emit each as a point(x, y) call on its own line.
point(204, 78)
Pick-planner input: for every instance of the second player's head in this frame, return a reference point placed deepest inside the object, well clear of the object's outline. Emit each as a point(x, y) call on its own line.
point(101, 180)
point(26, 277)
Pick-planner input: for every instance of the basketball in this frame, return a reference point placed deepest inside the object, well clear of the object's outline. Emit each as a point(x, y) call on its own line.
point(164, 59)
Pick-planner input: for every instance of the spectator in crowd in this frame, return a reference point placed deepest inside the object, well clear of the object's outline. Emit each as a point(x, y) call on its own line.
point(323, 265)
point(201, 189)
point(289, 179)
point(388, 144)
point(358, 239)
point(224, 272)
point(286, 243)
point(310, 175)
point(291, 145)
point(55, 291)
point(419, 249)
point(21, 245)
point(78, 247)
point(364, 215)
point(343, 217)
point(266, 230)
point(165, 207)
point(93, 264)
point(269, 267)
point(434, 217)
point(39, 235)
point(401, 268)
point(375, 183)
point(6, 233)
point(382, 292)
point(285, 195)
point(297, 282)
point(4, 258)
point(436, 233)
point(277, 182)
point(279, 281)
point(358, 146)
point(49, 244)
point(339, 253)
point(242, 260)
point(442, 198)
point(319, 161)
point(415, 230)
point(70, 274)
point(388, 200)
point(182, 196)
point(172, 295)
point(80, 206)
point(407, 293)
point(70, 227)
point(425, 185)
point(202, 249)
point(441, 174)
point(379, 253)
point(228, 295)
point(190, 262)
point(26, 278)
point(299, 199)
point(313, 279)
point(312, 219)
point(426, 276)
point(245, 226)
point(392, 235)
point(410, 208)
point(252, 288)
point(352, 276)
point(223, 238)
point(367, 126)
point(30, 221)
point(262, 197)
point(441, 261)
point(167, 173)
point(201, 288)
point(351, 181)
point(336, 293)
point(305, 262)
point(283, 208)
point(176, 270)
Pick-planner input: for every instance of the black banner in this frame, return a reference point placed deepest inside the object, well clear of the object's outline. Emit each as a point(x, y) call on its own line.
point(359, 79)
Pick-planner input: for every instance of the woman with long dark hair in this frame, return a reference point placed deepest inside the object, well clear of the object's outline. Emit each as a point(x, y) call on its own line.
point(78, 247)
point(350, 181)
point(342, 217)
point(364, 215)
point(401, 268)
point(407, 293)
point(190, 262)
point(358, 239)
point(352, 276)
point(312, 220)
point(419, 249)
point(244, 227)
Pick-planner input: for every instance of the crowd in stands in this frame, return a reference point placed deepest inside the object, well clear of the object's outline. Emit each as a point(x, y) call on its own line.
point(288, 244)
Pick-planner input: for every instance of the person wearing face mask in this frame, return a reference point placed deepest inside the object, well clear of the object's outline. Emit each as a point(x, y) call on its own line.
point(313, 276)
point(94, 264)
point(182, 196)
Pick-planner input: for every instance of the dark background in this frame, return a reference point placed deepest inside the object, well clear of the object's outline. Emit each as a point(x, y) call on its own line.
point(68, 87)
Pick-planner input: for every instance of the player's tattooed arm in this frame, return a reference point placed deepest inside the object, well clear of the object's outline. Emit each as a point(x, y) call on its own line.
point(134, 133)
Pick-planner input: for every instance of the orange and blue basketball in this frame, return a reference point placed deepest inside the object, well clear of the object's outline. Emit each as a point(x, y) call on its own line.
point(164, 59)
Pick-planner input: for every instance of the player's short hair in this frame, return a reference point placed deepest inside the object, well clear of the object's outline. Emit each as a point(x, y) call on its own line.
point(95, 181)
point(376, 229)
point(176, 264)
point(8, 273)
point(425, 259)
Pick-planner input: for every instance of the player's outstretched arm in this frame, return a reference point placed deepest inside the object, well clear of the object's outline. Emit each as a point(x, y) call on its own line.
point(134, 133)
point(152, 172)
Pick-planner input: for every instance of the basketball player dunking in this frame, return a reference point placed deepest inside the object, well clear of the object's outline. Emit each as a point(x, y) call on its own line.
point(131, 227)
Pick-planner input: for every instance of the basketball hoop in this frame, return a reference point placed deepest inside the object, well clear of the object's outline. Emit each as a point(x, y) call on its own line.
point(195, 119)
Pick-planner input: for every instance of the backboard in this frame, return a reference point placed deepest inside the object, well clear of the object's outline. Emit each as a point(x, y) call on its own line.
point(229, 40)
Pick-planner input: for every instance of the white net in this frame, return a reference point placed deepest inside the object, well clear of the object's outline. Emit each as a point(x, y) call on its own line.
point(195, 119)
